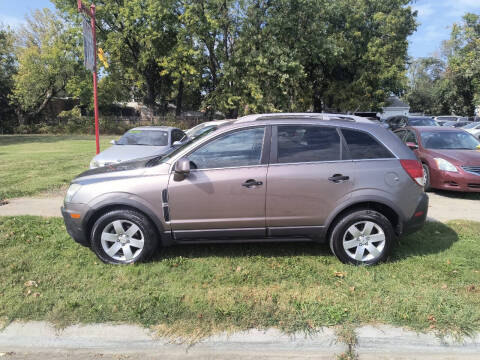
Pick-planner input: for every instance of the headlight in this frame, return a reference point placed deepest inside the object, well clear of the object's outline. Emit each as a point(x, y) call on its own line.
point(445, 165)
point(94, 164)
point(72, 190)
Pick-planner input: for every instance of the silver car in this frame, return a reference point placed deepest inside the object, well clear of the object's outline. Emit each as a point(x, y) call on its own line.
point(140, 142)
point(337, 179)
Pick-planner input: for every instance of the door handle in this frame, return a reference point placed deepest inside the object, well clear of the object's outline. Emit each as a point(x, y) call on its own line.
point(337, 178)
point(252, 182)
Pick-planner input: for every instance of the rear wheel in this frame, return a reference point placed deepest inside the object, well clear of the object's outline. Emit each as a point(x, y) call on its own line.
point(123, 236)
point(362, 237)
point(426, 177)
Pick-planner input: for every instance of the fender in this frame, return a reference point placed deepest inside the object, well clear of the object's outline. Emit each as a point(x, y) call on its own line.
point(127, 199)
point(363, 199)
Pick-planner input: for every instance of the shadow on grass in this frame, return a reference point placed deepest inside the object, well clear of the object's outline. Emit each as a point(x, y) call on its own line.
point(432, 239)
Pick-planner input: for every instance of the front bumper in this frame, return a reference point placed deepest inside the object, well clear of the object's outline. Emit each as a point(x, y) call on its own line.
point(419, 217)
point(75, 226)
point(460, 181)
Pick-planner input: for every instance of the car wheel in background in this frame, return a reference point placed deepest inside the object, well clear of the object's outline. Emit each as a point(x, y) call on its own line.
point(426, 177)
point(362, 237)
point(123, 237)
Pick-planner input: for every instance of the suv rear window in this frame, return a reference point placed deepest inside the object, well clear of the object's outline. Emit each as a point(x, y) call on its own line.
point(364, 146)
point(304, 143)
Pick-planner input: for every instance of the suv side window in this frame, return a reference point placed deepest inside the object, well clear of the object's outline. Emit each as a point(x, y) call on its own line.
point(238, 148)
point(411, 137)
point(177, 135)
point(400, 134)
point(304, 143)
point(364, 146)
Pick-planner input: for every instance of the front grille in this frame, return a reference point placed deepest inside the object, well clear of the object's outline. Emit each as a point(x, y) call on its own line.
point(472, 169)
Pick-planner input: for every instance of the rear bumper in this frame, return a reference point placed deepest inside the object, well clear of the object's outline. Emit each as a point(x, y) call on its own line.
point(419, 217)
point(74, 226)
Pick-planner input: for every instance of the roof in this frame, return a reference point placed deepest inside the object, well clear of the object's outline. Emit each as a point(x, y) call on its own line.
point(313, 116)
point(395, 102)
point(433, 128)
point(162, 128)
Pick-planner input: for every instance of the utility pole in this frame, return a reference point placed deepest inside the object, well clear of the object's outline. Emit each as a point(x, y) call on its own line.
point(90, 52)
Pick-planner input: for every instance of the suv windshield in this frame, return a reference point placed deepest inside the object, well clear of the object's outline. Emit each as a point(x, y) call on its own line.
point(422, 122)
point(199, 130)
point(144, 137)
point(449, 140)
point(471, 125)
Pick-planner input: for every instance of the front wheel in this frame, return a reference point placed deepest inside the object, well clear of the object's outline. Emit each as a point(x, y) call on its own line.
point(426, 177)
point(362, 237)
point(123, 236)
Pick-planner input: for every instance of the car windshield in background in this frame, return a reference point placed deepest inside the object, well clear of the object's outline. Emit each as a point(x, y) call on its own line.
point(163, 158)
point(422, 122)
point(454, 140)
point(471, 125)
point(144, 137)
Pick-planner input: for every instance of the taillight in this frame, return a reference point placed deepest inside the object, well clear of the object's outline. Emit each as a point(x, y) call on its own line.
point(414, 169)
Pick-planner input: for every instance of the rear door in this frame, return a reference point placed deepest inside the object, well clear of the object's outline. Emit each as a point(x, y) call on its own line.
point(307, 178)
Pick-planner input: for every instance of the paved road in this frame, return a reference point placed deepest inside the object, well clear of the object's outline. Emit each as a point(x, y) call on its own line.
point(38, 340)
point(444, 206)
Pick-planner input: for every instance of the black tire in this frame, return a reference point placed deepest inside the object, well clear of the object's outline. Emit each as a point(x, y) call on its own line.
point(147, 233)
point(341, 227)
point(426, 171)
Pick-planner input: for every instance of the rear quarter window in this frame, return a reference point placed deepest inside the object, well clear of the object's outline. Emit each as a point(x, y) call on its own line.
point(362, 145)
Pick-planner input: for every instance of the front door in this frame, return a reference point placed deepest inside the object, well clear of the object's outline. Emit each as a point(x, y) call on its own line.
point(224, 193)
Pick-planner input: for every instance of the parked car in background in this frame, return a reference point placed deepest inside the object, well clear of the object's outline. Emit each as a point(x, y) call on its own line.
point(450, 157)
point(400, 121)
point(456, 124)
point(203, 127)
point(304, 177)
point(473, 128)
point(140, 142)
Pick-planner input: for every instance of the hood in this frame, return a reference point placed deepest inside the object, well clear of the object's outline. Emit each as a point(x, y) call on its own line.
point(460, 157)
point(120, 153)
point(113, 168)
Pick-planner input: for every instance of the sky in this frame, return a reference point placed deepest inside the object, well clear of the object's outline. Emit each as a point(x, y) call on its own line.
point(435, 19)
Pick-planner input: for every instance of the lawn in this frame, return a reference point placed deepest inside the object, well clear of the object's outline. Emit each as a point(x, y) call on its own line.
point(30, 164)
point(432, 282)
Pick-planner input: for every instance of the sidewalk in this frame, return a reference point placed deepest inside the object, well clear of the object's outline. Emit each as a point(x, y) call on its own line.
point(20, 340)
point(40, 206)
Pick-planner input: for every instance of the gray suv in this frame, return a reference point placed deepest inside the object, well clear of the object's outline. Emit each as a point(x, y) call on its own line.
point(275, 177)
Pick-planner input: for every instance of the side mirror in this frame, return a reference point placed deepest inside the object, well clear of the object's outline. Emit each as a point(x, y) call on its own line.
point(113, 142)
point(412, 145)
point(182, 169)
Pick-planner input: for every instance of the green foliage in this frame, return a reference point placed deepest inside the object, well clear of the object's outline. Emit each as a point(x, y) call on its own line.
point(7, 70)
point(244, 56)
point(48, 52)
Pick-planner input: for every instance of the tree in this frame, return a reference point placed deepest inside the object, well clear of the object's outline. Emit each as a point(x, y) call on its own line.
point(463, 71)
point(426, 83)
point(48, 53)
point(7, 70)
point(138, 36)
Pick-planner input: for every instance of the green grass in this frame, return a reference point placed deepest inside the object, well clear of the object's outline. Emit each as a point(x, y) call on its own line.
point(30, 164)
point(431, 282)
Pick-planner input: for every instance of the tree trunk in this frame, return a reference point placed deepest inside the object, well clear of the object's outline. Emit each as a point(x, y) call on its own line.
point(178, 110)
point(317, 99)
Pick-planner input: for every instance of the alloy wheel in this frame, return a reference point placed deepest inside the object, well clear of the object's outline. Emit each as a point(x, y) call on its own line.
point(122, 240)
point(364, 241)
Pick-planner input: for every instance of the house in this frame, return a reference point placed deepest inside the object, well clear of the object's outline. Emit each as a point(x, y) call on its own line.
point(394, 106)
